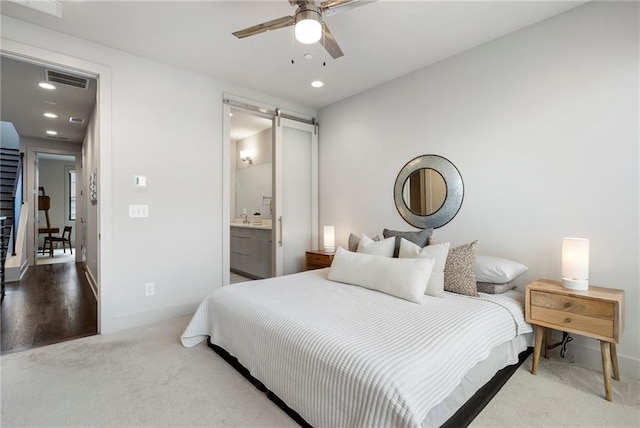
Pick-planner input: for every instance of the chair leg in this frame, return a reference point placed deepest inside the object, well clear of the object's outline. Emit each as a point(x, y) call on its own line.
point(70, 247)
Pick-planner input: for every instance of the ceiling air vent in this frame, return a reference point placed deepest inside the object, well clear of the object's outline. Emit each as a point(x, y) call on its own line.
point(55, 137)
point(74, 119)
point(67, 79)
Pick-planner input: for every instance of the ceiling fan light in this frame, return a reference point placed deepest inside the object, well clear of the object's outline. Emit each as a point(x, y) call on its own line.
point(308, 27)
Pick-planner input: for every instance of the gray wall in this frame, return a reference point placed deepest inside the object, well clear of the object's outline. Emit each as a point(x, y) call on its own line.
point(543, 126)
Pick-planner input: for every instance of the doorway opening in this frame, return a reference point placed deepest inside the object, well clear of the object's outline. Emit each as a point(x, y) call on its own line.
point(57, 209)
point(67, 288)
point(251, 195)
point(275, 245)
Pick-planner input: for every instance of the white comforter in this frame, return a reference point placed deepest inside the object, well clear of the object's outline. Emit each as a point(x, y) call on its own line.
point(345, 356)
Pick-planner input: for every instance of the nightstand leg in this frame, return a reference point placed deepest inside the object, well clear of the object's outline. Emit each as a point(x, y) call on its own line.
point(606, 368)
point(614, 361)
point(547, 341)
point(536, 349)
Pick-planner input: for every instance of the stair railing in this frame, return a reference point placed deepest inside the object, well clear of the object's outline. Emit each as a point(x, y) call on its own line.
point(17, 204)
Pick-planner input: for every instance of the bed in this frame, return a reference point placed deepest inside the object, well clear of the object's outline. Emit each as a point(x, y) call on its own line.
point(344, 355)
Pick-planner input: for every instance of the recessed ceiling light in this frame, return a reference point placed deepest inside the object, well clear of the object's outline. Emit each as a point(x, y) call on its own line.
point(317, 84)
point(52, 133)
point(45, 85)
point(50, 115)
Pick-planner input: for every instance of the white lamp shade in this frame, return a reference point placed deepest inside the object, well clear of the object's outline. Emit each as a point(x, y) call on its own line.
point(575, 263)
point(329, 239)
point(308, 31)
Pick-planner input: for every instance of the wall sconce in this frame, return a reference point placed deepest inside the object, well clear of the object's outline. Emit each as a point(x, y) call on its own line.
point(247, 156)
point(329, 239)
point(575, 263)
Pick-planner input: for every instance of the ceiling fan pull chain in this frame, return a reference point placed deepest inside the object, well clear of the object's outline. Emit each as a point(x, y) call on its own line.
point(324, 43)
point(293, 44)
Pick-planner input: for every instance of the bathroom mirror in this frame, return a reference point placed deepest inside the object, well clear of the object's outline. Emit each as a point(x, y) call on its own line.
point(428, 191)
point(253, 190)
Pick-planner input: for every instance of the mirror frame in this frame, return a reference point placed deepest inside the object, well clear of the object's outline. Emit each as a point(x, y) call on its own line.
point(453, 200)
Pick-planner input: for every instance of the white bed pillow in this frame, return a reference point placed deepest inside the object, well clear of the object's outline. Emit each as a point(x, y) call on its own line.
point(403, 278)
point(437, 252)
point(497, 270)
point(384, 247)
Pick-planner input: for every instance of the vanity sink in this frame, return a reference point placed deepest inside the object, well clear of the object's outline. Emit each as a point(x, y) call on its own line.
point(265, 224)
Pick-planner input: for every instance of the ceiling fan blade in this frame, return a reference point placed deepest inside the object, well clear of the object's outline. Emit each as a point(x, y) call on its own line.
point(275, 24)
point(329, 42)
point(333, 7)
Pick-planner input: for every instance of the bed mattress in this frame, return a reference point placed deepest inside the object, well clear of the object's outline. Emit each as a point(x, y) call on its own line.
point(343, 355)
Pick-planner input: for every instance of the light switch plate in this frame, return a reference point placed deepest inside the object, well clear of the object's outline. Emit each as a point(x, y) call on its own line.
point(140, 181)
point(138, 211)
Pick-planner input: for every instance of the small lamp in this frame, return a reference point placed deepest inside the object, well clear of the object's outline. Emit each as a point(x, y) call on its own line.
point(329, 239)
point(575, 263)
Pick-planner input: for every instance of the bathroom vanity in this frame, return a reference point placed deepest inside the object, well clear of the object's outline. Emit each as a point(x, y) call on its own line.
point(251, 249)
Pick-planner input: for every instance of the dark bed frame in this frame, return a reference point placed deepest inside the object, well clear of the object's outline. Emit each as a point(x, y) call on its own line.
point(462, 418)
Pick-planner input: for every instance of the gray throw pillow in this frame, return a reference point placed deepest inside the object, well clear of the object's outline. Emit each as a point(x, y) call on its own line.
point(491, 288)
point(420, 237)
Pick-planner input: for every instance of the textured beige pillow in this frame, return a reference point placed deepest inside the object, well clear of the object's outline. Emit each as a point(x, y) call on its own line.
point(460, 270)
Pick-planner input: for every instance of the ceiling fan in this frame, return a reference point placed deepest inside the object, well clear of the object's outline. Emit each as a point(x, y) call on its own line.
point(309, 26)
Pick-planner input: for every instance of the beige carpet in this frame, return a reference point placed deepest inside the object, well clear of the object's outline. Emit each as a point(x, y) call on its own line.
point(144, 377)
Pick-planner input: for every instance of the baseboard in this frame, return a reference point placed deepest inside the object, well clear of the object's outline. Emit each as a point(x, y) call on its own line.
point(92, 281)
point(115, 324)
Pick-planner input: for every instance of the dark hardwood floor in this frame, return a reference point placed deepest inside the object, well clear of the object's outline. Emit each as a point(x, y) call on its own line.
point(53, 303)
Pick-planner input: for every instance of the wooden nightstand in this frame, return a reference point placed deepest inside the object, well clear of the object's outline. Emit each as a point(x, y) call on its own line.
point(597, 313)
point(317, 259)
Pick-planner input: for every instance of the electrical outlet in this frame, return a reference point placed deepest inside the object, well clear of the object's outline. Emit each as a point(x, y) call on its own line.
point(149, 289)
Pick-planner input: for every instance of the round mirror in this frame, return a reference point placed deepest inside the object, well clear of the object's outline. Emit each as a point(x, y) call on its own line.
point(424, 191)
point(428, 191)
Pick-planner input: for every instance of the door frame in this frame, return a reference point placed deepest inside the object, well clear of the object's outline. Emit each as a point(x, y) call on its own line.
point(104, 240)
point(33, 177)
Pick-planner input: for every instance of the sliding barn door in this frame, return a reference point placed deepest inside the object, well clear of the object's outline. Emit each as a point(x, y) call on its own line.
point(296, 194)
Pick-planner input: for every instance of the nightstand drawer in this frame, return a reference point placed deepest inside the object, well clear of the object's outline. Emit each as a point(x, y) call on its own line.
point(573, 321)
point(318, 259)
point(573, 305)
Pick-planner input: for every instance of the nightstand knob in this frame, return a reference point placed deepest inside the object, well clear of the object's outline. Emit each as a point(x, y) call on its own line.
point(567, 320)
point(567, 305)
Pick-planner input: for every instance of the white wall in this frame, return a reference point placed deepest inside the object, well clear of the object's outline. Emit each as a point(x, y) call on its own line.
point(166, 124)
point(543, 126)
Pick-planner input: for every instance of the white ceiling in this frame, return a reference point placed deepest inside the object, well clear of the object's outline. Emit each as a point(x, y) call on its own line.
point(381, 41)
point(23, 103)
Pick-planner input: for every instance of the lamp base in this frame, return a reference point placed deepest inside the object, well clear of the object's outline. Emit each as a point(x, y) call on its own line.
point(575, 284)
point(329, 249)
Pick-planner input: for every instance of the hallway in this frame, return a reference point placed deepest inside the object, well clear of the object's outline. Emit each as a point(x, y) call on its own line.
point(53, 303)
